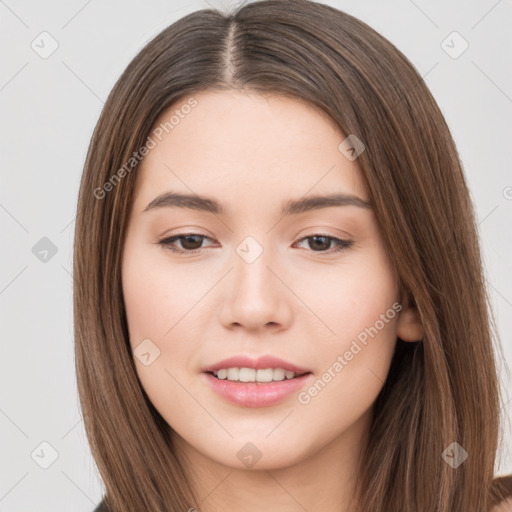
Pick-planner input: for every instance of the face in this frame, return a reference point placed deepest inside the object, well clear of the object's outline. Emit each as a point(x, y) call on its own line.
point(310, 284)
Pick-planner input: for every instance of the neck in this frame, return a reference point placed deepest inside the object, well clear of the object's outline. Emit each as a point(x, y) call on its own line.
point(323, 478)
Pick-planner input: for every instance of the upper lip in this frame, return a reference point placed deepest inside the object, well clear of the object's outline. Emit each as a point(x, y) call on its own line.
point(260, 363)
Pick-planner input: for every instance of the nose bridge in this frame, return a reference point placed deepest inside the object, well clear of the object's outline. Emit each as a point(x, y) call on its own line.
point(251, 273)
point(256, 296)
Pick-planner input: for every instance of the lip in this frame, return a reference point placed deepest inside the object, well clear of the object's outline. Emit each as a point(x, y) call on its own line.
point(260, 363)
point(256, 394)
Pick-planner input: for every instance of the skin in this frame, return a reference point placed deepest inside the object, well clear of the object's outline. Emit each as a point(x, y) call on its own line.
point(295, 301)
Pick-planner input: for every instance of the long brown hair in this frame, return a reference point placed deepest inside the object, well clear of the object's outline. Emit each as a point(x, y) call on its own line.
point(441, 390)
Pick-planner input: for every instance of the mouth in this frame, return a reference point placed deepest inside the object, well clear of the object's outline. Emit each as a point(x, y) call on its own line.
point(255, 382)
point(248, 387)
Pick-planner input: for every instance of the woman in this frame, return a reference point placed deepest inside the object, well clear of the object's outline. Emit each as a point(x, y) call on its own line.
point(279, 298)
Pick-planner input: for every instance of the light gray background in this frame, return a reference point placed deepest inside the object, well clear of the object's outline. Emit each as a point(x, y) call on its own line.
point(48, 110)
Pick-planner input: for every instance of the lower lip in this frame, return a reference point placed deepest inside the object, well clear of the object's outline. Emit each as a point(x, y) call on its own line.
point(256, 394)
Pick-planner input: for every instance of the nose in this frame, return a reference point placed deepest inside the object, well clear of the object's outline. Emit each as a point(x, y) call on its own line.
point(255, 295)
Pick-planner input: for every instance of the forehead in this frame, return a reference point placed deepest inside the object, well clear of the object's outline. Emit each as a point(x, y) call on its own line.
point(235, 145)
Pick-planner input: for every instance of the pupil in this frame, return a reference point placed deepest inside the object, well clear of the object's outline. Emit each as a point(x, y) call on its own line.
point(195, 240)
point(324, 245)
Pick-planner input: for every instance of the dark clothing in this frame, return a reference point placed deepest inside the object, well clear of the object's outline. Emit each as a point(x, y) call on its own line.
point(101, 507)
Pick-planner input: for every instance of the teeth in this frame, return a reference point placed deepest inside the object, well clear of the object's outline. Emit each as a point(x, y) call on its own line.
point(279, 374)
point(252, 375)
point(222, 374)
point(247, 375)
point(233, 373)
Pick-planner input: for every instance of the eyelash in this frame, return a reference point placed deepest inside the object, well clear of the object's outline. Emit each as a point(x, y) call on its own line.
point(166, 243)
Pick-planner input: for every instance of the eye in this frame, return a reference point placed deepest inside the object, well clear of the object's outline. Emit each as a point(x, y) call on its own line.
point(191, 243)
point(320, 242)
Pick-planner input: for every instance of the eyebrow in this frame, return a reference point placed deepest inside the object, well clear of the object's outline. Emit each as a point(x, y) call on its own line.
point(290, 207)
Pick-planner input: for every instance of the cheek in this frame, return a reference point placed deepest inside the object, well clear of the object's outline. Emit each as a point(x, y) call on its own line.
point(162, 303)
point(157, 298)
point(157, 295)
point(349, 297)
point(354, 368)
point(358, 304)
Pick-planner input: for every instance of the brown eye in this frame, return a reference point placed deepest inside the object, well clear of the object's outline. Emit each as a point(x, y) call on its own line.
point(190, 243)
point(322, 243)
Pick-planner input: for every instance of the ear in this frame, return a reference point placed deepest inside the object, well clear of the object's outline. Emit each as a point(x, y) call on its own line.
point(409, 325)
